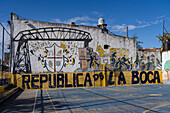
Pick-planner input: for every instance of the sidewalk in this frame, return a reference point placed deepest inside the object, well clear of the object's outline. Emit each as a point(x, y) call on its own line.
point(7, 93)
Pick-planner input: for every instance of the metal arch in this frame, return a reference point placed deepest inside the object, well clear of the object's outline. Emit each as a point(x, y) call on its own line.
point(73, 34)
point(22, 58)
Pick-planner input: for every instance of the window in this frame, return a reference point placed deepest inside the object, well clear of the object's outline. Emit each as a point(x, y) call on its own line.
point(82, 53)
point(106, 46)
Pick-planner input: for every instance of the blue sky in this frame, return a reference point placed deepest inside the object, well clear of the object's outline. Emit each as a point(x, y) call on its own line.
point(143, 17)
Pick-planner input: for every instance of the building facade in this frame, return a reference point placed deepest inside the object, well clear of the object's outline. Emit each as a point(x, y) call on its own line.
point(43, 47)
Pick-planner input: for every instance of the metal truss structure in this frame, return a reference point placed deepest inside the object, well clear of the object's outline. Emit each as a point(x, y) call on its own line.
point(22, 58)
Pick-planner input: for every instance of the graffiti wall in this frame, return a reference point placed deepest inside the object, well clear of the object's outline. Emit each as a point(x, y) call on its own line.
point(87, 79)
point(149, 59)
point(71, 56)
point(166, 65)
point(55, 56)
point(44, 47)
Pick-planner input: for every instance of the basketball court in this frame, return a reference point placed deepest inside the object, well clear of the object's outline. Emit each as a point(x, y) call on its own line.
point(121, 99)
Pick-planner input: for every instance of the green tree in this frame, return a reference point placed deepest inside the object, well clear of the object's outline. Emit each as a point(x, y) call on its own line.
point(138, 43)
point(163, 39)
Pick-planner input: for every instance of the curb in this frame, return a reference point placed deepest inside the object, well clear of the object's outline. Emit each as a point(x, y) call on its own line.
point(166, 81)
point(8, 94)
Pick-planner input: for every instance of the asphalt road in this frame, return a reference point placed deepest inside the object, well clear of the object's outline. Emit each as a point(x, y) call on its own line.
point(120, 99)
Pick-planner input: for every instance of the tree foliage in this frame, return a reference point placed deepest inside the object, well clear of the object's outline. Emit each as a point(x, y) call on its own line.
point(163, 39)
point(138, 43)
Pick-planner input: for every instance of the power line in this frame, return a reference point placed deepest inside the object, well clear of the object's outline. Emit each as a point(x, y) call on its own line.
point(5, 29)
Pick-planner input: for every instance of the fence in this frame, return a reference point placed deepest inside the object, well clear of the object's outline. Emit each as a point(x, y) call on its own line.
point(5, 76)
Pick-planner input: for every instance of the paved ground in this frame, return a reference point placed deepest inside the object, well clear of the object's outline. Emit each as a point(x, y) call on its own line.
point(121, 99)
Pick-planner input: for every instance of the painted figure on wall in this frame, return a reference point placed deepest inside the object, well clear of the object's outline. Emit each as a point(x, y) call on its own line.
point(71, 56)
point(166, 71)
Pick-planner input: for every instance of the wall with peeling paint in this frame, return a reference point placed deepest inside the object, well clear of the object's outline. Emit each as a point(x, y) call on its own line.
point(149, 60)
point(72, 56)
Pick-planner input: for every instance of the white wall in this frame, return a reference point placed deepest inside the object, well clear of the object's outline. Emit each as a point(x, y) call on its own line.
point(98, 37)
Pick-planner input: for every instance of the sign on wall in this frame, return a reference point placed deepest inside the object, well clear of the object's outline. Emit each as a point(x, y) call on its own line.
point(87, 79)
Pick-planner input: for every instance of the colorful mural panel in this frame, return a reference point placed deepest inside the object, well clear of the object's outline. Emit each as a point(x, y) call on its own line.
point(71, 56)
point(54, 56)
point(166, 65)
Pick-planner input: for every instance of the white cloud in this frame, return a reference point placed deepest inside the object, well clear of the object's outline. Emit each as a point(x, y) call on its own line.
point(85, 23)
point(75, 19)
point(121, 28)
point(57, 20)
point(142, 24)
point(131, 27)
point(159, 17)
point(84, 20)
point(156, 22)
point(99, 14)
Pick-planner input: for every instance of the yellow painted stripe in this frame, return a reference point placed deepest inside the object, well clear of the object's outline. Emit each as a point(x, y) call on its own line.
point(51, 101)
point(156, 107)
point(4, 71)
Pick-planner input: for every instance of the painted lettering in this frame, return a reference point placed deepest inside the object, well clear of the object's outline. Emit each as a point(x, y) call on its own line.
point(95, 77)
point(149, 78)
point(34, 81)
point(54, 81)
point(156, 77)
point(87, 79)
point(43, 80)
point(135, 78)
point(121, 78)
point(66, 81)
point(74, 80)
point(60, 79)
point(143, 74)
point(110, 82)
point(25, 80)
point(77, 80)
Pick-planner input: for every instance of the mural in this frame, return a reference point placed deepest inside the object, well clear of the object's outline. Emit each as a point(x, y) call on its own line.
point(87, 79)
point(57, 56)
point(166, 65)
point(54, 56)
point(167, 68)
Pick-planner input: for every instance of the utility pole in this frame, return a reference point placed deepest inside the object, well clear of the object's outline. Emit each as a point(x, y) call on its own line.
point(163, 27)
point(2, 51)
